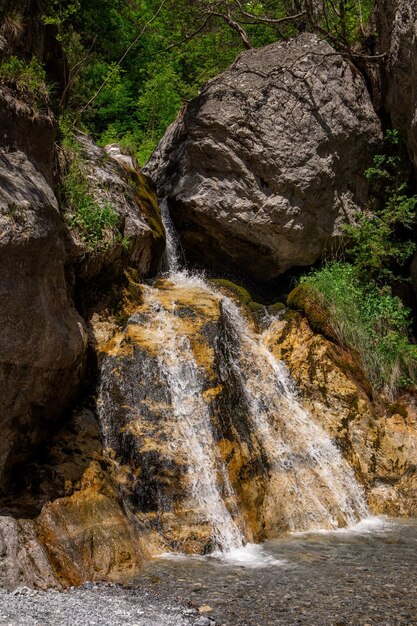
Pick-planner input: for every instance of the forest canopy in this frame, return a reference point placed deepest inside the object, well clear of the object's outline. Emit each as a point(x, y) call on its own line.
point(133, 64)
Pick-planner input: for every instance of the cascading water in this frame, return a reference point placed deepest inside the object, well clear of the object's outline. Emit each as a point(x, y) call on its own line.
point(311, 470)
point(172, 246)
point(313, 482)
point(176, 362)
point(303, 482)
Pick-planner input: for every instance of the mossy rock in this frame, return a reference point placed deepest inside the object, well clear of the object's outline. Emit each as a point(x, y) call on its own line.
point(276, 308)
point(134, 289)
point(303, 299)
point(255, 307)
point(233, 290)
point(146, 197)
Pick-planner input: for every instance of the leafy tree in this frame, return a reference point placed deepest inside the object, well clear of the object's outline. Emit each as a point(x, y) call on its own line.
point(133, 64)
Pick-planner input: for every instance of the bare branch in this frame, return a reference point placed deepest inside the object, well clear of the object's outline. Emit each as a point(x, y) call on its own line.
point(269, 20)
point(227, 17)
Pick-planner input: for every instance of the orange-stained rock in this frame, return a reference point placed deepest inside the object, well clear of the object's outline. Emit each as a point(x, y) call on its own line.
point(380, 440)
point(88, 536)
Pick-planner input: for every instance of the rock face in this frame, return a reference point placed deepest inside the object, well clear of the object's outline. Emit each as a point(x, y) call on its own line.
point(264, 166)
point(214, 444)
point(395, 21)
point(380, 440)
point(138, 239)
point(23, 561)
point(42, 336)
point(82, 531)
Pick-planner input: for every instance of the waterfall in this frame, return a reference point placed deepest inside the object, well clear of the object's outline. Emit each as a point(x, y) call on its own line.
point(191, 412)
point(162, 404)
point(314, 484)
point(312, 472)
point(173, 246)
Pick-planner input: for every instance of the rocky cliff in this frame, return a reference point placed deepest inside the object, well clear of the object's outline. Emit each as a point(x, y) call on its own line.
point(43, 338)
point(395, 22)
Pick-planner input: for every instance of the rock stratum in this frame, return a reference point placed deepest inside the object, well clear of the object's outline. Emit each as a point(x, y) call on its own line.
point(263, 168)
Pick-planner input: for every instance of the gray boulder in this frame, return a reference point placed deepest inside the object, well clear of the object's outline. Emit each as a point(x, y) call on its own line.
point(23, 560)
point(261, 170)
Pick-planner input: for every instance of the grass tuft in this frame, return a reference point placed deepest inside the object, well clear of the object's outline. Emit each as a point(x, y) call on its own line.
point(370, 321)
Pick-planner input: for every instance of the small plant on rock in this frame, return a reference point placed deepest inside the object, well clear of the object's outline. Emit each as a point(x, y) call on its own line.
point(92, 220)
point(368, 320)
point(28, 78)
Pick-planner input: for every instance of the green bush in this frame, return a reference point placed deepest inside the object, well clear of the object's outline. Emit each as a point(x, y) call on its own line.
point(91, 219)
point(369, 321)
point(28, 78)
point(380, 243)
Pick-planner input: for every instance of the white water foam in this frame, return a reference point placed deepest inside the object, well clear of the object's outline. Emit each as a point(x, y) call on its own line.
point(252, 555)
point(178, 366)
point(370, 525)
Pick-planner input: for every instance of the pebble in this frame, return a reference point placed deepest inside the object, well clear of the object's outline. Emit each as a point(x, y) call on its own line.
point(203, 621)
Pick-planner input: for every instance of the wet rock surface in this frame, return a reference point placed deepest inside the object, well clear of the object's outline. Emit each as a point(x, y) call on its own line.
point(264, 166)
point(343, 579)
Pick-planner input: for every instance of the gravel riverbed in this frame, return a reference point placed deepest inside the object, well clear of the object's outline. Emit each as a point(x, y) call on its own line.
point(366, 577)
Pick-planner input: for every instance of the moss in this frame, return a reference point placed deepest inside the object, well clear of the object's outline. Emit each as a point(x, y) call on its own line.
point(233, 289)
point(398, 409)
point(146, 197)
point(133, 288)
point(276, 307)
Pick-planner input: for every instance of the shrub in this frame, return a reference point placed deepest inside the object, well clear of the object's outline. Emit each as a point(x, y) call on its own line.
point(369, 321)
point(91, 219)
point(28, 78)
point(380, 243)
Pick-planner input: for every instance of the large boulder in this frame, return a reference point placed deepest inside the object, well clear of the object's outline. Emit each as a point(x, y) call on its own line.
point(262, 169)
point(395, 21)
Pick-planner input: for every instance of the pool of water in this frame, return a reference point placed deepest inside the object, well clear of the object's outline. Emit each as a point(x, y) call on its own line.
point(364, 575)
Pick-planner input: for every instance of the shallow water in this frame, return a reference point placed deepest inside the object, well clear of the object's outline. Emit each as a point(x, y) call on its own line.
point(364, 575)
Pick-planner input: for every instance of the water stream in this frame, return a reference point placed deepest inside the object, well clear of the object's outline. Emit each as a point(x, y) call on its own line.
point(181, 373)
point(306, 484)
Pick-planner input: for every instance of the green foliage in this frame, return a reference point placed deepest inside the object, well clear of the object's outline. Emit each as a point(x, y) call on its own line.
point(173, 48)
point(345, 20)
point(370, 321)
point(89, 218)
point(137, 62)
point(28, 78)
point(380, 243)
